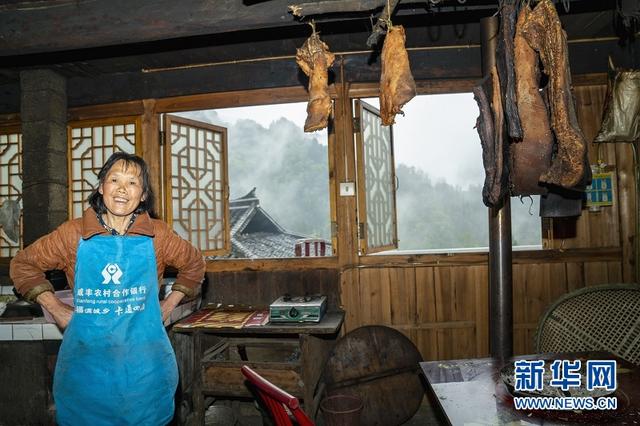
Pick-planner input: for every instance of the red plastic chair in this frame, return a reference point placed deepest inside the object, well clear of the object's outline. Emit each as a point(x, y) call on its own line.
point(276, 400)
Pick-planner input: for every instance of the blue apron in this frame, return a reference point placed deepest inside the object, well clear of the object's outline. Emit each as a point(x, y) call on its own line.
point(115, 365)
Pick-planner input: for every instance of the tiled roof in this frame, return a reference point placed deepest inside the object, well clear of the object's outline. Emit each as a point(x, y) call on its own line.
point(265, 244)
point(255, 234)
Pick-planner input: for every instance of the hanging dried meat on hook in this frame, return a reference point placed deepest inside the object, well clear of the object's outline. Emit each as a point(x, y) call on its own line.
point(544, 33)
point(531, 157)
point(397, 86)
point(505, 64)
point(315, 59)
point(491, 129)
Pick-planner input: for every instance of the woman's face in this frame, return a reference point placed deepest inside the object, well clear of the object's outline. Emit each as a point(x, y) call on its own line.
point(122, 189)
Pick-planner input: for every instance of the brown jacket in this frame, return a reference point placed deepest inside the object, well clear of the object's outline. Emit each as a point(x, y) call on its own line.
point(58, 250)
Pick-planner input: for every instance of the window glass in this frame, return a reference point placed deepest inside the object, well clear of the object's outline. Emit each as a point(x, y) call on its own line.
point(440, 175)
point(278, 181)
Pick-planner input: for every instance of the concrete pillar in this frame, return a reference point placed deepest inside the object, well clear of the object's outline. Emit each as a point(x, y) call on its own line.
point(43, 111)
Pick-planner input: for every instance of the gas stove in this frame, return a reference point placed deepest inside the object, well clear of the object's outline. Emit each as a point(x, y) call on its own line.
point(298, 309)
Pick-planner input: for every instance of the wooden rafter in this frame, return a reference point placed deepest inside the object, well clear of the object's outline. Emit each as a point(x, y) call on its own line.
point(325, 7)
point(333, 6)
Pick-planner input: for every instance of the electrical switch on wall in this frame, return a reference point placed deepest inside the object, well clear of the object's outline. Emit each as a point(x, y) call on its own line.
point(347, 189)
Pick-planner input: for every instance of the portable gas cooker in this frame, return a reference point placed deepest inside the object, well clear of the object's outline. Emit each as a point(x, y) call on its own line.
point(298, 309)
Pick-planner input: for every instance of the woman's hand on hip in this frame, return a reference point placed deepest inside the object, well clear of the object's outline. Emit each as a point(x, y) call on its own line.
point(169, 303)
point(61, 312)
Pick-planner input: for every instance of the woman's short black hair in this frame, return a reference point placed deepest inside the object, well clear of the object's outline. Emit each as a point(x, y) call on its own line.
point(146, 205)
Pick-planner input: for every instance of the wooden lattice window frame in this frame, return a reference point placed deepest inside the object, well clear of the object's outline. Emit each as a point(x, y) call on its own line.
point(212, 246)
point(86, 187)
point(10, 189)
point(365, 231)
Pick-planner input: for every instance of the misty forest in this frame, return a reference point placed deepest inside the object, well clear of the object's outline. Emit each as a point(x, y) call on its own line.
point(289, 170)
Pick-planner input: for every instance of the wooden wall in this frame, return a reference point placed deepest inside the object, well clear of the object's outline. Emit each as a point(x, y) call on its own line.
point(261, 287)
point(441, 302)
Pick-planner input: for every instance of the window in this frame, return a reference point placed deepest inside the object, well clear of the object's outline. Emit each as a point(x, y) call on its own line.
point(439, 178)
point(90, 145)
point(195, 165)
point(376, 181)
point(10, 191)
point(278, 181)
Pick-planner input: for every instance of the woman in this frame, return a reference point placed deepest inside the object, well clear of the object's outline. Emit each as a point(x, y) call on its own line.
point(116, 365)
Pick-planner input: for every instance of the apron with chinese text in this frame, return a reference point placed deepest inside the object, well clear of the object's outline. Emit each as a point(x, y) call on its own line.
point(115, 365)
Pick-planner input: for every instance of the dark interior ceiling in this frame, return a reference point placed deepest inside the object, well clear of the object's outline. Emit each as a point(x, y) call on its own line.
point(139, 47)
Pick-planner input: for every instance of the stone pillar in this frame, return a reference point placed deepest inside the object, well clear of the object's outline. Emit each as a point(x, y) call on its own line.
point(43, 111)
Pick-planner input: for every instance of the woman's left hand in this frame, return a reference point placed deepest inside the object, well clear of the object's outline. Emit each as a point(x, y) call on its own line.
point(169, 303)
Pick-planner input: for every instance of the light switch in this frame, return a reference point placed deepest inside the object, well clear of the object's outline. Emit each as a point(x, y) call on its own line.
point(347, 189)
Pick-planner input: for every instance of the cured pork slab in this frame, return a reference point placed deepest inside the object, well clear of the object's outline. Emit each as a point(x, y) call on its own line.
point(543, 32)
point(315, 59)
point(505, 64)
point(397, 86)
point(530, 157)
point(490, 125)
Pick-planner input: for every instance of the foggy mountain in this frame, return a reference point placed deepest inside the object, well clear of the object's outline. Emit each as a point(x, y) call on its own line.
point(289, 168)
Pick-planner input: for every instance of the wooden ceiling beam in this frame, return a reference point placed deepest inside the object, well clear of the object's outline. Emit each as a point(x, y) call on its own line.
point(35, 26)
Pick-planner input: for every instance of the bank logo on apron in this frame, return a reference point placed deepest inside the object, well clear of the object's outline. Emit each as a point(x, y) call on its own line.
point(126, 299)
point(111, 273)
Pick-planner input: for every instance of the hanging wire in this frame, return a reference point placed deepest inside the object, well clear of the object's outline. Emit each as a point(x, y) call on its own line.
point(312, 24)
point(500, 5)
point(389, 12)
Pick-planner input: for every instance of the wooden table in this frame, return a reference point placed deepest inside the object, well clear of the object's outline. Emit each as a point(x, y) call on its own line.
point(290, 355)
point(471, 391)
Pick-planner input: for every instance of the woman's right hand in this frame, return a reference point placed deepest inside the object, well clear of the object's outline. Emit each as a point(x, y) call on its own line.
point(61, 312)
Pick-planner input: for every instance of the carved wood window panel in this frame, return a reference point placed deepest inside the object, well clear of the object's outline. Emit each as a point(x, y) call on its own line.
point(378, 230)
point(91, 142)
point(196, 183)
point(10, 181)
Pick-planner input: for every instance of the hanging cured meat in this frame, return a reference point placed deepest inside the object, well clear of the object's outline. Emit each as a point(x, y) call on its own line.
point(505, 64)
point(397, 86)
point(315, 59)
point(490, 125)
point(531, 157)
point(544, 33)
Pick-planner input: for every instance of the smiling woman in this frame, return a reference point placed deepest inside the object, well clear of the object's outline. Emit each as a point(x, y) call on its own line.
point(123, 190)
point(114, 256)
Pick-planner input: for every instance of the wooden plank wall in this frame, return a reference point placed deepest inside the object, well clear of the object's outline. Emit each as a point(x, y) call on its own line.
point(610, 226)
point(444, 308)
point(260, 288)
